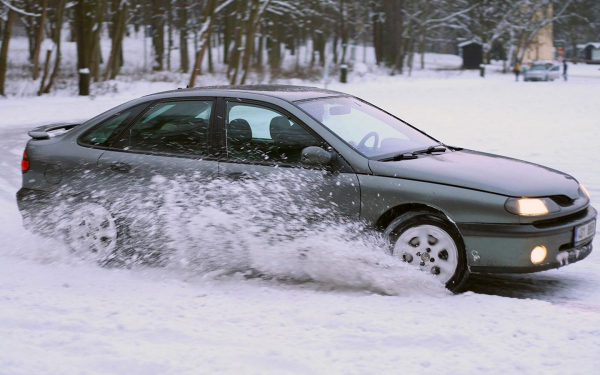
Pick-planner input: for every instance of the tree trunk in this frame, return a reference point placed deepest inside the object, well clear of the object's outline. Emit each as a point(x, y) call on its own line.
point(183, 51)
point(251, 27)
point(158, 34)
point(206, 26)
point(46, 71)
point(4, 50)
point(38, 40)
point(119, 36)
point(274, 45)
point(422, 42)
point(378, 38)
point(344, 32)
point(234, 62)
point(56, 34)
point(227, 32)
point(183, 36)
point(210, 61)
point(87, 15)
point(119, 27)
point(96, 59)
point(169, 34)
point(259, 52)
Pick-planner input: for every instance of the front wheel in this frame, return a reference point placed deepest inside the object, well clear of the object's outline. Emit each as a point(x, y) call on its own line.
point(429, 241)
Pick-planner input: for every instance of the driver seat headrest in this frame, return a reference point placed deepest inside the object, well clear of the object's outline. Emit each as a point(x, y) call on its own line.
point(239, 131)
point(284, 131)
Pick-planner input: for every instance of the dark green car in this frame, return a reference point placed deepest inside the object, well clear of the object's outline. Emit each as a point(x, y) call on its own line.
point(447, 210)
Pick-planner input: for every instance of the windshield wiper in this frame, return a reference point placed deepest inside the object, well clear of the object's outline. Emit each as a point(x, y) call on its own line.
point(413, 155)
point(430, 150)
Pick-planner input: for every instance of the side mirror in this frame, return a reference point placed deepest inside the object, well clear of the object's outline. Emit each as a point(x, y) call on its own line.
point(316, 156)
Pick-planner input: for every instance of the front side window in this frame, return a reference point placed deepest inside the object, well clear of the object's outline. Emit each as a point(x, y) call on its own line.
point(366, 128)
point(173, 127)
point(260, 134)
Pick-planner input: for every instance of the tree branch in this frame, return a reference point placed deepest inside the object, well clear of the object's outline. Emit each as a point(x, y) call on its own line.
point(17, 10)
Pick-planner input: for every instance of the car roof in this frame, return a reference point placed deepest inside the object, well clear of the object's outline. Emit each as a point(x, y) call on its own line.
point(286, 92)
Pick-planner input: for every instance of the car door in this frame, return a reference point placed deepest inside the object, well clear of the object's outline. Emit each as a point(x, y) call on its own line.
point(263, 147)
point(555, 72)
point(162, 162)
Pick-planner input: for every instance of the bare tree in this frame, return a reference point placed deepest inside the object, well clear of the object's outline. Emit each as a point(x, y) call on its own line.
point(4, 49)
point(56, 39)
point(38, 40)
point(182, 18)
point(118, 33)
point(158, 33)
point(210, 11)
point(88, 17)
point(256, 12)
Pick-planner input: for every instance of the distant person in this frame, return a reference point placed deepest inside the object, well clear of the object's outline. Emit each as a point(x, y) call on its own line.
point(565, 70)
point(517, 71)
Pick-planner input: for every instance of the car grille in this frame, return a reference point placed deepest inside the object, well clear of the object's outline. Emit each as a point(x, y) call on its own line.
point(564, 220)
point(562, 200)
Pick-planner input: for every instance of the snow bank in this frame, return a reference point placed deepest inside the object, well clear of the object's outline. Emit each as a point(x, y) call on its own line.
point(60, 315)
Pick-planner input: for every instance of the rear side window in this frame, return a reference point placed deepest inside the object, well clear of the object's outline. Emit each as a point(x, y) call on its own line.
point(180, 127)
point(103, 134)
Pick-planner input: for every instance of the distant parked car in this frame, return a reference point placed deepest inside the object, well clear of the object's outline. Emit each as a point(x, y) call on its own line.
point(546, 71)
point(447, 210)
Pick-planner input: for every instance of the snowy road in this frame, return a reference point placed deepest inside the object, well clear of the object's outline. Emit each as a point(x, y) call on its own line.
point(62, 316)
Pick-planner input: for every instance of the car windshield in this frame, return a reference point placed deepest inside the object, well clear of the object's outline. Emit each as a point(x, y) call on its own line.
point(539, 67)
point(366, 128)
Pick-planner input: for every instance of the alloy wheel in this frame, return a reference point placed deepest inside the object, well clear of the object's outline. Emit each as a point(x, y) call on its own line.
point(92, 232)
point(429, 247)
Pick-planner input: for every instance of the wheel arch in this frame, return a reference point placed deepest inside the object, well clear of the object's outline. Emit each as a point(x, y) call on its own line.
point(388, 216)
point(391, 220)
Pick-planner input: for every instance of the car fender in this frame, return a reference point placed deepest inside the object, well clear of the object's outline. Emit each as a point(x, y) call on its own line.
point(380, 194)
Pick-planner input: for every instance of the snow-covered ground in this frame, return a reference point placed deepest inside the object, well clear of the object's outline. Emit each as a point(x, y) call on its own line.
point(59, 315)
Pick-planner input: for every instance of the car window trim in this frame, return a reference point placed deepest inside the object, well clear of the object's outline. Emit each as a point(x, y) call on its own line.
point(113, 146)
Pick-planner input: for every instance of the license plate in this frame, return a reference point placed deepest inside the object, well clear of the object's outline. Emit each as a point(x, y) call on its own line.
point(585, 231)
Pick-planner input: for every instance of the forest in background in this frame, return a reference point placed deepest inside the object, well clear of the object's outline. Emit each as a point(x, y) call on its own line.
point(252, 35)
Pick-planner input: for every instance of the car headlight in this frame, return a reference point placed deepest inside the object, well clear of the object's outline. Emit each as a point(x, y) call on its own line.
point(587, 193)
point(531, 206)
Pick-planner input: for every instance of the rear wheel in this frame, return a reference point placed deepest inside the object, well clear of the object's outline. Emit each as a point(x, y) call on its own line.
point(430, 242)
point(92, 233)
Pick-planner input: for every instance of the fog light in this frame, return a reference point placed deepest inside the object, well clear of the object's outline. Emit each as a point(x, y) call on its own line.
point(538, 254)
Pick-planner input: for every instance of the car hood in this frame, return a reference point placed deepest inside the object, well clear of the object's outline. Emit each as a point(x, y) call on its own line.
point(482, 171)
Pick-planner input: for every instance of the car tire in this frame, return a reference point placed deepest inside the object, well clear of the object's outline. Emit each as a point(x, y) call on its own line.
point(443, 252)
point(93, 233)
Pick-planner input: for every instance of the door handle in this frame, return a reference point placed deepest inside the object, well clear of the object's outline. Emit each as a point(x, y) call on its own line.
point(120, 167)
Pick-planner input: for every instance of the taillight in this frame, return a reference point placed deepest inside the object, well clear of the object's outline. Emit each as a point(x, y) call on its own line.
point(24, 163)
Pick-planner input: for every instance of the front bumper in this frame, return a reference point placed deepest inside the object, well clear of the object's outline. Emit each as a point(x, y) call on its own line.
point(535, 77)
point(498, 248)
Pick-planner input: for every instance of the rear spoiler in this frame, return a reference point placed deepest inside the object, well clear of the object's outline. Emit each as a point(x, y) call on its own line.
point(44, 132)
